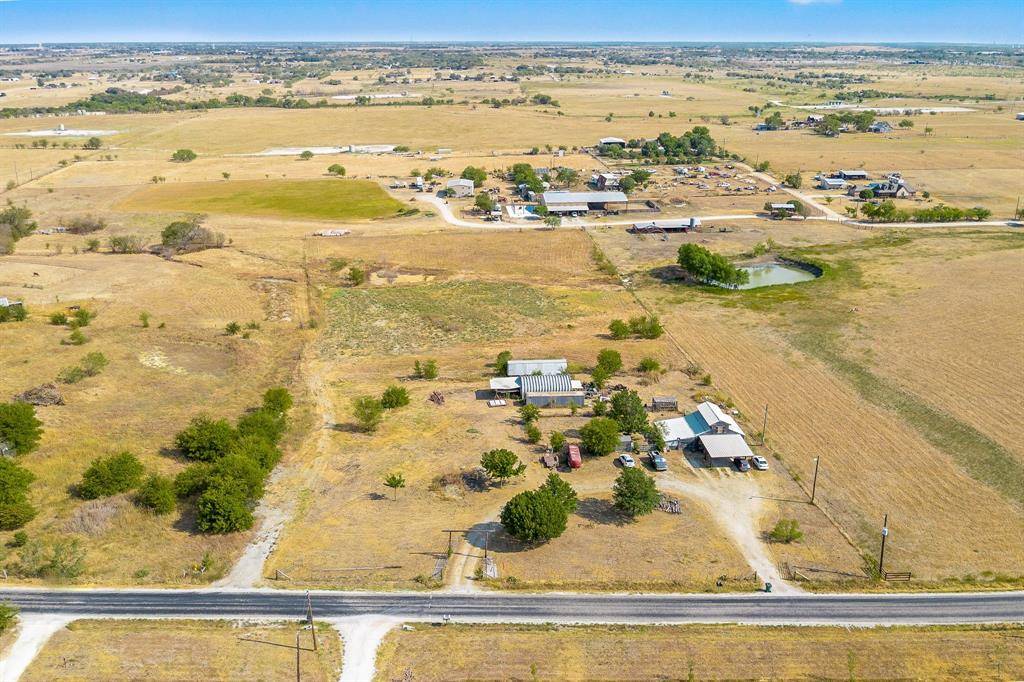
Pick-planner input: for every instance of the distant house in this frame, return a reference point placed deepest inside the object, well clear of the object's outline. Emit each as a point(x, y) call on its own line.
point(460, 187)
point(893, 188)
point(606, 181)
point(581, 202)
point(710, 431)
point(782, 210)
point(612, 142)
point(852, 174)
point(880, 127)
point(831, 183)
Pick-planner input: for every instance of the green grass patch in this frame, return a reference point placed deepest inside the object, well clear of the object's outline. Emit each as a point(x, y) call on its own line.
point(333, 199)
point(403, 319)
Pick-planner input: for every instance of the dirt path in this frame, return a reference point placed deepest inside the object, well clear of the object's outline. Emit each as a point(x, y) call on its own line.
point(34, 631)
point(362, 636)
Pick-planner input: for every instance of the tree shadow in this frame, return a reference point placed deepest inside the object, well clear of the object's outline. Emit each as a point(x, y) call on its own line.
point(499, 541)
point(186, 522)
point(668, 274)
point(600, 511)
point(377, 496)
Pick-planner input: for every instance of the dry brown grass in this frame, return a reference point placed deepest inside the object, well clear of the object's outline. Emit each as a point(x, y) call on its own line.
point(505, 652)
point(184, 650)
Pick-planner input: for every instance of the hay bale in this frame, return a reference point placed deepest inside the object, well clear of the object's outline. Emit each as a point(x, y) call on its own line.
point(46, 394)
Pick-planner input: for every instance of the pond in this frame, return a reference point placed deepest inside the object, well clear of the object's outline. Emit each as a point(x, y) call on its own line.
point(771, 274)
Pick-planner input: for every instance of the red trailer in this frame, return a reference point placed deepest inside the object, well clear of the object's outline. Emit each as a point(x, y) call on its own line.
point(575, 461)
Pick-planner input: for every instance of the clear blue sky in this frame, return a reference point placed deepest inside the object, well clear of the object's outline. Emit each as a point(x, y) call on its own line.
point(966, 21)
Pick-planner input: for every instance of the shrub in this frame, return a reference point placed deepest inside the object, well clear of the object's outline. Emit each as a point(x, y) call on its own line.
point(110, 475)
point(529, 413)
point(533, 434)
point(19, 427)
point(306, 155)
point(501, 363)
point(205, 439)
point(395, 481)
point(241, 469)
point(646, 326)
point(786, 531)
point(425, 370)
point(127, 243)
point(277, 400)
point(649, 366)
point(20, 539)
point(369, 412)
point(75, 338)
point(58, 318)
point(618, 329)
point(634, 493)
point(502, 464)
point(192, 480)
point(600, 436)
point(393, 397)
point(258, 449)
point(223, 508)
point(357, 276)
point(336, 169)
point(262, 424)
point(15, 509)
point(232, 328)
point(534, 516)
point(82, 317)
point(609, 360)
point(600, 376)
point(83, 224)
point(557, 441)
point(156, 494)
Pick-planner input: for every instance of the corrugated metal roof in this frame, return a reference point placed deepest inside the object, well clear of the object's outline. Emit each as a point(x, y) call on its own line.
point(713, 414)
point(559, 198)
point(725, 445)
point(460, 182)
point(546, 366)
point(545, 383)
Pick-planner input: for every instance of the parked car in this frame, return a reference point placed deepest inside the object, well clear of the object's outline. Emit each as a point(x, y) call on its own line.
point(575, 461)
point(741, 464)
point(760, 463)
point(657, 461)
point(627, 461)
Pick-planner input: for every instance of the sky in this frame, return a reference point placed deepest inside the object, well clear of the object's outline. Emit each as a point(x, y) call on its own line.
point(860, 21)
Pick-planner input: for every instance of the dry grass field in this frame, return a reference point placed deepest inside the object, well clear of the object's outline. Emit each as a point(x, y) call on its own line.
point(719, 652)
point(183, 651)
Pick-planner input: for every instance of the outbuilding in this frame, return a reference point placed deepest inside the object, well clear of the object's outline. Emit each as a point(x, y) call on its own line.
point(551, 390)
point(831, 183)
point(664, 402)
point(518, 368)
point(612, 142)
point(581, 202)
point(460, 187)
point(852, 174)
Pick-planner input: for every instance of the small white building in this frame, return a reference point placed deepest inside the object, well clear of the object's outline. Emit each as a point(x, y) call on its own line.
point(460, 187)
point(612, 141)
point(517, 368)
point(831, 183)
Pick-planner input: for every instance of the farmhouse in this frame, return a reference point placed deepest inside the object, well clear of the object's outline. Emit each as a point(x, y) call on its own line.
point(710, 431)
point(894, 187)
point(781, 210)
point(581, 202)
point(668, 402)
point(460, 187)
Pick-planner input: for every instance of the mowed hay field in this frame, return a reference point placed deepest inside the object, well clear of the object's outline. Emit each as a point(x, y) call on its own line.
point(317, 199)
point(183, 651)
point(729, 652)
point(952, 494)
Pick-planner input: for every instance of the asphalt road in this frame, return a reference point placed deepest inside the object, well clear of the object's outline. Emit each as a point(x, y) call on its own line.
point(977, 607)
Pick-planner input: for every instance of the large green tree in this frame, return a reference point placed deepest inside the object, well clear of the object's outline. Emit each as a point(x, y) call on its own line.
point(712, 268)
point(629, 412)
point(19, 427)
point(534, 516)
point(634, 493)
point(502, 464)
point(205, 439)
point(600, 436)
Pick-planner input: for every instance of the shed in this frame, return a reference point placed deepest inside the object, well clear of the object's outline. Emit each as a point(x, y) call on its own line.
point(664, 402)
point(581, 202)
point(831, 183)
point(505, 385)
point(657, 226)
point(550, 390)
point(618, 142)
point(853, 174)
point(625, 443)
point(523, 367)
point(460, 187)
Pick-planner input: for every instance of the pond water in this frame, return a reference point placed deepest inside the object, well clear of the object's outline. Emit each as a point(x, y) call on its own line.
point(771, 274)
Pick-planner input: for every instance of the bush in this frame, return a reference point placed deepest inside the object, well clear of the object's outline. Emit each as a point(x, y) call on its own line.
point(262, 424)
point(19, 427)
point(82, 317)
point(223, 508)
point(529, 413)
point(618, 329)
point(127, 243)
point(15, 509)
point(83, 224)
point(258, 449)
point(336, 169)
point(600, 376)
point(205, 439)
point(600, 436)
point(157, 494)
point(75, 338)
point(183, 156)
point(58, 318)
point(277, 400)
point(192, 480)
point(111, 475)
point(786, 531)
point(534, 516)
point(649, 366)
point(393, 397)
point(369, 412)
point(242, 470)
point(501, 363)
point(533, 434)
point(502, 464)
point(634, 493)
point(232, 328)
point(425, 370)
point(357, 276)
point(557, 441)
point(646, 327)
point(20, 539)
point(609, 360)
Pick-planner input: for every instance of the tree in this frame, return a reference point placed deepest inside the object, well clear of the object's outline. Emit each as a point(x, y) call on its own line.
point(557, 441)
point(258, 449)
point(306, 155)
point(427, 369)
point(786, 531)
point(226, 175)
point(534, 516)
point(357, 276)
point(205, 439)
point(567, 176)
point(183, 156)
point(223, 508)
point(533, 433)
point(369, 412)
point(634, 493)
point(502, 464)
point(15, 509)
point(484, 202)
point(111, 475)
point(561, 491)
point(242, 470)
point(600, 376)
point(553, 220)
point(192, 480)
point(774, 122)
point(19, 427)
point(618, 329)
point(277, 400)
point(393, 397)
point(336, 169)
point(395, 481)
point(157, 495)
point(501, 362)
point(600, 436)
point(867, 194)
point(529, 413)
point(477, 175)
point(627, 184)
point(609, 360)
point(628, 411)
point(794, 180)
point(646, 326)
point(708, 267)
point(93, 143)
point(906, 123)
point(263, 424)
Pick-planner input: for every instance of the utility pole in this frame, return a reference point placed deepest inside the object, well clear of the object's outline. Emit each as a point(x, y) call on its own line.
point(814, 484)
point(298, 660)
point(764, 427)
point(309, 618)
point(881, 554)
